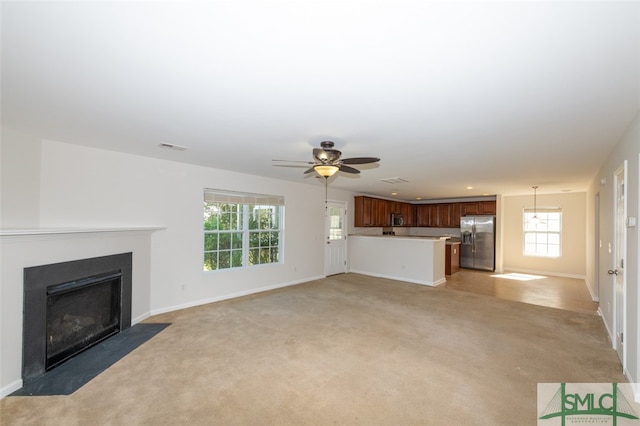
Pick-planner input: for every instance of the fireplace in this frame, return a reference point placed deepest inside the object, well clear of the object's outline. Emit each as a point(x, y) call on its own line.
point(80, 314)
point(71, 306)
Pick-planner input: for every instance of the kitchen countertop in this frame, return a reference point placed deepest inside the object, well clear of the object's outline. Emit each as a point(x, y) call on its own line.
point(449, 240)
point(398, 236)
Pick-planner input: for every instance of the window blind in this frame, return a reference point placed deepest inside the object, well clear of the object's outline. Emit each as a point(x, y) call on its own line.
point(233, 197)
point(543, 209)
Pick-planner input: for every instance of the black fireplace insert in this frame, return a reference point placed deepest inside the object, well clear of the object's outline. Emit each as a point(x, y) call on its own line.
point(71, 306)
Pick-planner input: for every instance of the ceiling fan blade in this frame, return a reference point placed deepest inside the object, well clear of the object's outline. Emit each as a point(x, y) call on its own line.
point(360, 160)
point(348, 169)
point(310, 170)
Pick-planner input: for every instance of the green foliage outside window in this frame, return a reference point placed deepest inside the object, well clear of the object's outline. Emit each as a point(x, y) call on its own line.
point(237, 235)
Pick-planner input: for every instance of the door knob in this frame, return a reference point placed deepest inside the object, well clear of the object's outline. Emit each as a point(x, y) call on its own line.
point(612, 272)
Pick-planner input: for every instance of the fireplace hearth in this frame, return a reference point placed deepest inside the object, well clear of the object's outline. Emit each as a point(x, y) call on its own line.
point(71, 306)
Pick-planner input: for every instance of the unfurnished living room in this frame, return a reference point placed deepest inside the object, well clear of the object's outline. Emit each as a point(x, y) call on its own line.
point(275, 212)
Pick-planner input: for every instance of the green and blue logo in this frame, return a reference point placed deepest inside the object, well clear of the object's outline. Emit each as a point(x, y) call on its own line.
point(584, 404)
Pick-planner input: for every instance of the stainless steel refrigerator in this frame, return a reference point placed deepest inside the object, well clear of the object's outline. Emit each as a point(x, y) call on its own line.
point(478, 242)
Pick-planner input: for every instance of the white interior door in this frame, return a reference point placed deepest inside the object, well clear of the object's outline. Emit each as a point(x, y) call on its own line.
point(619, 274)
point(335, 253)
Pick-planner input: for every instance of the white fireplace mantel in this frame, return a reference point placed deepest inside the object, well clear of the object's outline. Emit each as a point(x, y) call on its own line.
point(8, 235)
point(23, 248)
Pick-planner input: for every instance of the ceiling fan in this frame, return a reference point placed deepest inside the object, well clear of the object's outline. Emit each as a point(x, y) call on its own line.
point(326, 161)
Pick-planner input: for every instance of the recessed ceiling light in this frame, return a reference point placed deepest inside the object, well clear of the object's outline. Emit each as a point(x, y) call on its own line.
point(469, 187)
point(418, 198)
point(394, 193)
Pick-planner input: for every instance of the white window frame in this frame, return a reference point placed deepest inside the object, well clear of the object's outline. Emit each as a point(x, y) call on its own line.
point(247, 206)
point(544, 237)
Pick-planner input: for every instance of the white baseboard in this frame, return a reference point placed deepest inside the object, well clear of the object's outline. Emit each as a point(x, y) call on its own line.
point(10, 388)
point(606, 326)
point(231, 296)
point(140, 318)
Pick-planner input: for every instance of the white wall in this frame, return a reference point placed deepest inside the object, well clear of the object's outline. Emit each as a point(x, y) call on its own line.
point(603, 184)
point(85, 187)
point(572, 261)
point(19, 180)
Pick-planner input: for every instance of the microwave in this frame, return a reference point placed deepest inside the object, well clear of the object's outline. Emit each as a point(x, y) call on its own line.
point(396, 219)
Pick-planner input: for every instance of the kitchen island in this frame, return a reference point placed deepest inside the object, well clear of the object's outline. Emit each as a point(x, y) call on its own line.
point(419, 260)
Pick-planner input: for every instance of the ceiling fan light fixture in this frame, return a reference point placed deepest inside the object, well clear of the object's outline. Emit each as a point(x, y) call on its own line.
point(326, 170)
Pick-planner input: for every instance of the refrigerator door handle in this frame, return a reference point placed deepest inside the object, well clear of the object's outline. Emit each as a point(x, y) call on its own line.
point(473, 238)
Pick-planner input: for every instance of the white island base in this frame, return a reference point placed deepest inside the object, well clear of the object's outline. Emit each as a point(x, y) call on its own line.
point(419, 260)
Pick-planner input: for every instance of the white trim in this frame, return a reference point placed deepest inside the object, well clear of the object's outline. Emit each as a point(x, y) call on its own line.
point(606, 326)
point(34, 234)
point(231, 296)
point(594, 297)
point(405, 279)
point(10, 388)
point(140, 318)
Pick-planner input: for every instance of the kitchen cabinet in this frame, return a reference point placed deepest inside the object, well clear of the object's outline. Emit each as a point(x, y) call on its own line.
point(408, 214)
point(382, 217)
point(452, 258)
point(427, 215)
point(362, 212)
point(478, 207)
point(371, 211)
point(449, 215)
point(487, 207)
point(470, 208)
point(395, 207)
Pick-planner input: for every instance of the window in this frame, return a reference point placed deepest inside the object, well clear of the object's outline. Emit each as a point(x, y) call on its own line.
point(241, 229)
point(542, 237)
point(335, 223)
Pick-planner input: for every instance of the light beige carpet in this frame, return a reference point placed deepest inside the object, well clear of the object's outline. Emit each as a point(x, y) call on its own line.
point(344, 350)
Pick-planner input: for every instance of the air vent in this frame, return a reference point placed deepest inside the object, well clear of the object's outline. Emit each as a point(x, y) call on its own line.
point(394, 180)
point(172, 146)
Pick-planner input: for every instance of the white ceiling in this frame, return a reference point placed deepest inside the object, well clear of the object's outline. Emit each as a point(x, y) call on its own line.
point(495, 95)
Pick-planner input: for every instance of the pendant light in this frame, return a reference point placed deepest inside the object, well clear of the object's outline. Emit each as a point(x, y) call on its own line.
point(535, 219)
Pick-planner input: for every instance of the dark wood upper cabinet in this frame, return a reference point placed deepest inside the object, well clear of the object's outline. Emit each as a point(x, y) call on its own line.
point(427, 215)
point(362, 212)
point(370, 211)
point(478, 207)
point(470, 208)
point(449, 215)
point(408, 214)
point(423, 215)
point(487, 207)
point(383, 217)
